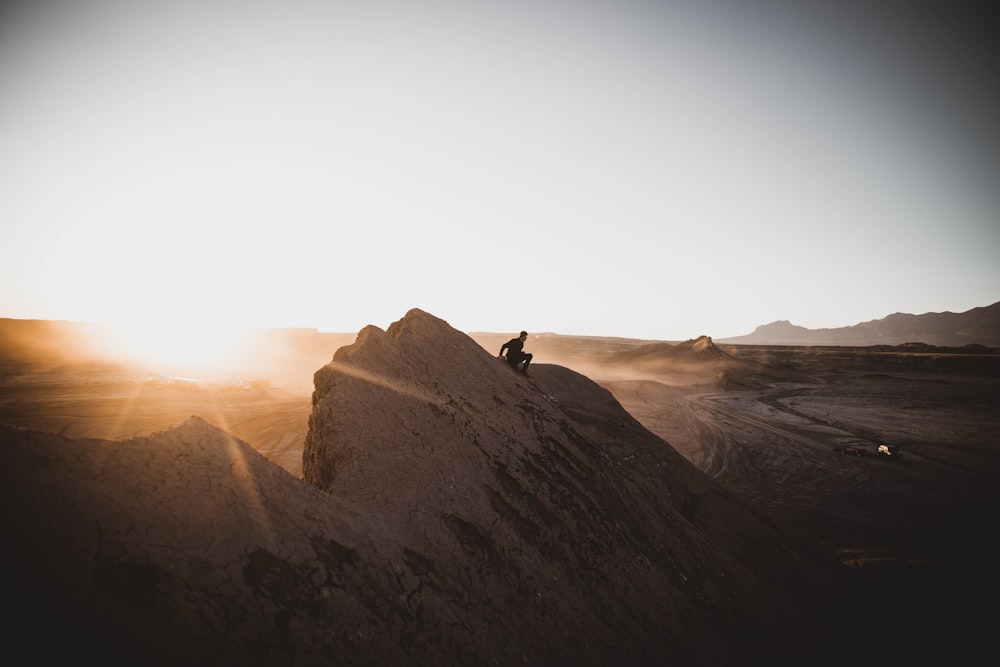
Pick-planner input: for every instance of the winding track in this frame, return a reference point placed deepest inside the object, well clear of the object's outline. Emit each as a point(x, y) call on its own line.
point(779, 447)
point(749, 445)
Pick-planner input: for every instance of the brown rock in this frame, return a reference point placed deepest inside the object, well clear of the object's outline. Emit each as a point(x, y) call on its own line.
point(540, 511)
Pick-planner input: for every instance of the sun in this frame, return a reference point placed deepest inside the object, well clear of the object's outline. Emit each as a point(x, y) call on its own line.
point(174, 345)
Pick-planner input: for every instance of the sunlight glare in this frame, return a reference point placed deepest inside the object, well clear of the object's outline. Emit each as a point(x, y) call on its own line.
point(175, 344)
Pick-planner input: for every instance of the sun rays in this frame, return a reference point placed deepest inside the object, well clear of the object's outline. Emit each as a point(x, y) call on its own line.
point(386, 383)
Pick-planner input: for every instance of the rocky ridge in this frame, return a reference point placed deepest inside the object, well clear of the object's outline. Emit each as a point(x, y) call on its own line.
point(541, 508)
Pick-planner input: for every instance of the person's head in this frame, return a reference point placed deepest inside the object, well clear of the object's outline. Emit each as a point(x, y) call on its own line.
point(524, 334)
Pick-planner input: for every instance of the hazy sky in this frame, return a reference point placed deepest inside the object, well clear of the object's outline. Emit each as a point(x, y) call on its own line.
point(643, 169)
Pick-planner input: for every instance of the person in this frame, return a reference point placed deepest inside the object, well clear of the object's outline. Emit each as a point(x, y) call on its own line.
point(516, 353)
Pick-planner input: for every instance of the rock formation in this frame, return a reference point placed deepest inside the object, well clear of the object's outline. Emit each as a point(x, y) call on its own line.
point(540, 509)
point(700, 350)
point(464, 514)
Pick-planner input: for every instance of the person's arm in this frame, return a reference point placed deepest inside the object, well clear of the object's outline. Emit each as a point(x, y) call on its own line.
point(503, 347)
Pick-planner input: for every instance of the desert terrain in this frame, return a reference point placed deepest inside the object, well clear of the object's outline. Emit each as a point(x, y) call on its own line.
point(114, 403)
point(794, 431)
point(799, 437)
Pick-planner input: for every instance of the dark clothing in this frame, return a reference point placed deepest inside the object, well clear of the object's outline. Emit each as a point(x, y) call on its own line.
point(515, 353)
point(514, 345)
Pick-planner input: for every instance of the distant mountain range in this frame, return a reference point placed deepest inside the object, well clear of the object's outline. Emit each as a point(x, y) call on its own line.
point(979, 326)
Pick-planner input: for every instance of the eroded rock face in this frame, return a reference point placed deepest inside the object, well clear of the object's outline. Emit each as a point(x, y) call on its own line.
point(464, 515)
point(539, 511)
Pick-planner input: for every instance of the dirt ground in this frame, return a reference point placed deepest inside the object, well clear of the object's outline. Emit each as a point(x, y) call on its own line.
point(913, 529)
point(809, 451)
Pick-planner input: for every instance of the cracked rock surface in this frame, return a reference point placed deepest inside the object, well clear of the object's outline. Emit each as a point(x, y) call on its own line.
point(453, 512)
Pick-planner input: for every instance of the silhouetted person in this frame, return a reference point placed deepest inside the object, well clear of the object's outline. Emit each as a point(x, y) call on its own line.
point(516, 353)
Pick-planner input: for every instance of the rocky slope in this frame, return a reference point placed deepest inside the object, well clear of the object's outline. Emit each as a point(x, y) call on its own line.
point(456, 513)
point(184, 547)
point(539, 507)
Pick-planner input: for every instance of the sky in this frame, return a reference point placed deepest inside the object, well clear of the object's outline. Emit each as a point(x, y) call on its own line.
point(656, 170)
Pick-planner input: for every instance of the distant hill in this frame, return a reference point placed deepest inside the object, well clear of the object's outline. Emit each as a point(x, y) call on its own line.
point(979, 326)
point(696, 349)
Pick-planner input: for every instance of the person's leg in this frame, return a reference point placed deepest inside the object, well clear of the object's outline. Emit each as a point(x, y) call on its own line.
point(527, 360)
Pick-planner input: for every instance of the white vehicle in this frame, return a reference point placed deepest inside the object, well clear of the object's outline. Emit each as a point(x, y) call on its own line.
point(890, 451)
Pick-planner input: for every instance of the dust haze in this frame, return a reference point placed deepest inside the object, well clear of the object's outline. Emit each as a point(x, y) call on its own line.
point(70, 378)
